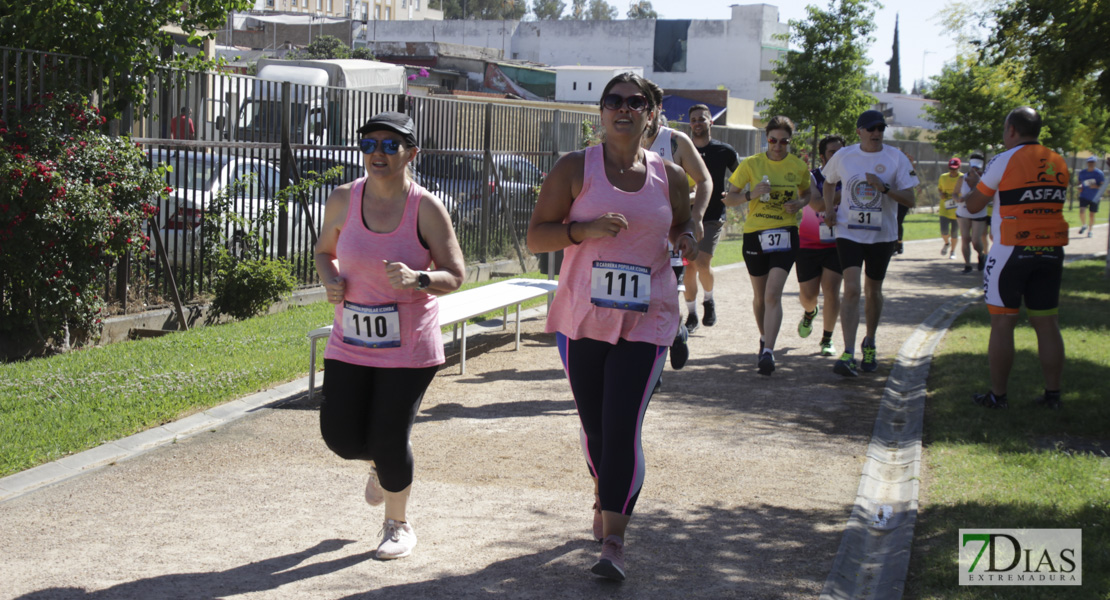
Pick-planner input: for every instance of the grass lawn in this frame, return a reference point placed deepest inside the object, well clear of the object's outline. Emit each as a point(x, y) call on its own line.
point(1025, 466)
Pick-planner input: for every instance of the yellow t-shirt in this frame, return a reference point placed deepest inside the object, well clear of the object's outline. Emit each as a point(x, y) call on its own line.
point(947, 185)
point(788, 177)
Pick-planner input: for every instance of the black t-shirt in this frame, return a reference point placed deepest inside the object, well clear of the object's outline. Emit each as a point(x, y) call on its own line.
point(719, 157)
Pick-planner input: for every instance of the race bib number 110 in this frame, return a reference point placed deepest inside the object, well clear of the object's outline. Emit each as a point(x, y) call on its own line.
point(620, 285)
point(371, 326)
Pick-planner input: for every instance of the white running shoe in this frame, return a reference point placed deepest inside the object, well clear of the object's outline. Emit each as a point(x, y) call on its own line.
point(398, 540)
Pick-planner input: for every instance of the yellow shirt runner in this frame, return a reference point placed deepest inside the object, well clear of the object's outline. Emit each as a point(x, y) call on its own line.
point(788, 177)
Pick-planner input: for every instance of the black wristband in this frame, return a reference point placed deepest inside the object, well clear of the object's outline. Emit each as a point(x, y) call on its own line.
point(571, 237)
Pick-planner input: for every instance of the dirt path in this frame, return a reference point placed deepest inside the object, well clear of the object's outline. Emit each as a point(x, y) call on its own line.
point(749, 483)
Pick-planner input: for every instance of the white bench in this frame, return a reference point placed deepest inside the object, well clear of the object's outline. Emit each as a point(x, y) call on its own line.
point(458, 307)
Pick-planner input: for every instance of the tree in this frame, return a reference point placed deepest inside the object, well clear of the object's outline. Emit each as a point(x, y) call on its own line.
point(974, 99)
point(322, 47)
point(548, 10)
point(894, 81)
point(821, 85)
point(122, 37)
point(642, 10)
point(1060, 43)
point(494, 10)
point(600, 10)
point(577, 11)
point(875, 82)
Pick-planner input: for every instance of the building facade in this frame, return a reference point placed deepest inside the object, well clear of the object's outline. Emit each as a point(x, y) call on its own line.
point(737, 54)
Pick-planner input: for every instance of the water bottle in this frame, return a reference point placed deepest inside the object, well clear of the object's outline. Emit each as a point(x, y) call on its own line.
point(767, 196)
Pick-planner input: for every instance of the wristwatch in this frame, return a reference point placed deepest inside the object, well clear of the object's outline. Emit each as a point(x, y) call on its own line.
point(886, 188)
point(423, 280)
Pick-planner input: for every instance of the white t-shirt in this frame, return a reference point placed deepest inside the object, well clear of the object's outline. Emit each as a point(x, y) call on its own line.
point(961, 210)
point(865, 214)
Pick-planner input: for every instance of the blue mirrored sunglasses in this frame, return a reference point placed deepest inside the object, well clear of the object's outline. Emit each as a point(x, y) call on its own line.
point(369, 145)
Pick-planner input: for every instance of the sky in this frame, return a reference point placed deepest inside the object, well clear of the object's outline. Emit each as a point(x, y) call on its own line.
point(920, 40)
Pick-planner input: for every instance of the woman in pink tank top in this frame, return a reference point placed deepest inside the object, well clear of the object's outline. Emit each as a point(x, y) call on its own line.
point(614, 207)
point(380, 238)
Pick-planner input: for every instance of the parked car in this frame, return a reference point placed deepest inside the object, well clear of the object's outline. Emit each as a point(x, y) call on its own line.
point(197, 178)
point(353, 168)
point(514, 180)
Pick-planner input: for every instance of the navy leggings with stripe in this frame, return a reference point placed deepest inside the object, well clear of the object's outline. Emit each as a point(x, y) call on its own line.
point(367, 414)
point(612, 385)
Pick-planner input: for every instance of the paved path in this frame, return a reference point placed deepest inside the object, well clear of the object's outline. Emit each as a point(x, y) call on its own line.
point(749, 485)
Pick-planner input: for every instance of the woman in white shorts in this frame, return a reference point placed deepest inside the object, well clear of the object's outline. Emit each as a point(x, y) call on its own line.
point(973, 226)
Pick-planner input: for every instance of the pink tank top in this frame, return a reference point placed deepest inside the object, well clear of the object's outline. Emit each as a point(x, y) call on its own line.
point(378, 326)
point(809, 231)
point(602, 293)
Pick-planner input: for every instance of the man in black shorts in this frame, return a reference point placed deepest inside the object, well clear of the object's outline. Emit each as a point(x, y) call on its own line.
point(875, 179)
point(721, 160)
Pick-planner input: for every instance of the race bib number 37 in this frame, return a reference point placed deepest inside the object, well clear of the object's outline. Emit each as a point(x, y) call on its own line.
point(371, 326)
point(620, 285)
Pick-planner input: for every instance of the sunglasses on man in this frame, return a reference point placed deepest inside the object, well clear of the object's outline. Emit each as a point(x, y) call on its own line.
point(635, 102)
point(874, 128)
point(369, 145)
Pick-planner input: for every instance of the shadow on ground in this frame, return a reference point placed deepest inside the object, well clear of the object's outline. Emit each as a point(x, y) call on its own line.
point(712, 553)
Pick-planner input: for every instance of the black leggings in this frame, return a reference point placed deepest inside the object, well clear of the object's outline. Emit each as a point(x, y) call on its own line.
point(612, 385)
point(367, 414)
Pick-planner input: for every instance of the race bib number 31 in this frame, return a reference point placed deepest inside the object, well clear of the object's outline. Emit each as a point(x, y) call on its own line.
point(862, 218)
point(371, 326)
point(620, 285)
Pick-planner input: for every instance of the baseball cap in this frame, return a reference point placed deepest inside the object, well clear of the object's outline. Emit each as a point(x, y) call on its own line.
point(954, 163)
point(975, 163)
point(391, 121)
point(870, 118)
point(1092, 159)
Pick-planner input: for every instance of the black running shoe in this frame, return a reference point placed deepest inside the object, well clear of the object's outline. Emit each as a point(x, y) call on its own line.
point(766, 363)
point(680, 352)
point(967, 268)
point(989, 400)
point(1049, 400)
point(710, 318)
point(692, 322)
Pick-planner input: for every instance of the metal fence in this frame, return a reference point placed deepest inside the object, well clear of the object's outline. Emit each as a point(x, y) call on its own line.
point(486, 160)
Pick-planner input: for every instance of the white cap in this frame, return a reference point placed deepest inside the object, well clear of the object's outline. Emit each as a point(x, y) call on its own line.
point(975, 163)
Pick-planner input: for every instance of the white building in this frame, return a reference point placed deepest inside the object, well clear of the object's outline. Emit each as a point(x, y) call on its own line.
point(359, 10)
point(736, 54)
point(584, 84)
point(904, 110)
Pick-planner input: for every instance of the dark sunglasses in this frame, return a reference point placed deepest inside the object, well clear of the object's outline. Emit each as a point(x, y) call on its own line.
point(875, 128)
point(772, 141)
point(369, 145)
point(635, 102)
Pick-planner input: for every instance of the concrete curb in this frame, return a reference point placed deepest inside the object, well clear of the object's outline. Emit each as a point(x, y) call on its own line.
point(874, 553)
point(90, 460)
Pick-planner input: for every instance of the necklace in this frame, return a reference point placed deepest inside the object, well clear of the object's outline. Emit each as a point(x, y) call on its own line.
point(635, 162)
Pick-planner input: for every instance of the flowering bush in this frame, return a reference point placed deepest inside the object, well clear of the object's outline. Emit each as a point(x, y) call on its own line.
point(72, 200)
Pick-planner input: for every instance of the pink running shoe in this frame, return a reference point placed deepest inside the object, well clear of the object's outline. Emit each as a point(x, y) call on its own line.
point(611, 563)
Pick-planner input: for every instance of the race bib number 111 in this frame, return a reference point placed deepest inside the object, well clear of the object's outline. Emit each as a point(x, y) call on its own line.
point(620, 285)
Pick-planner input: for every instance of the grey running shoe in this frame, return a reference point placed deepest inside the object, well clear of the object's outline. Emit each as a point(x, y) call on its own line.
point(611, 563)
